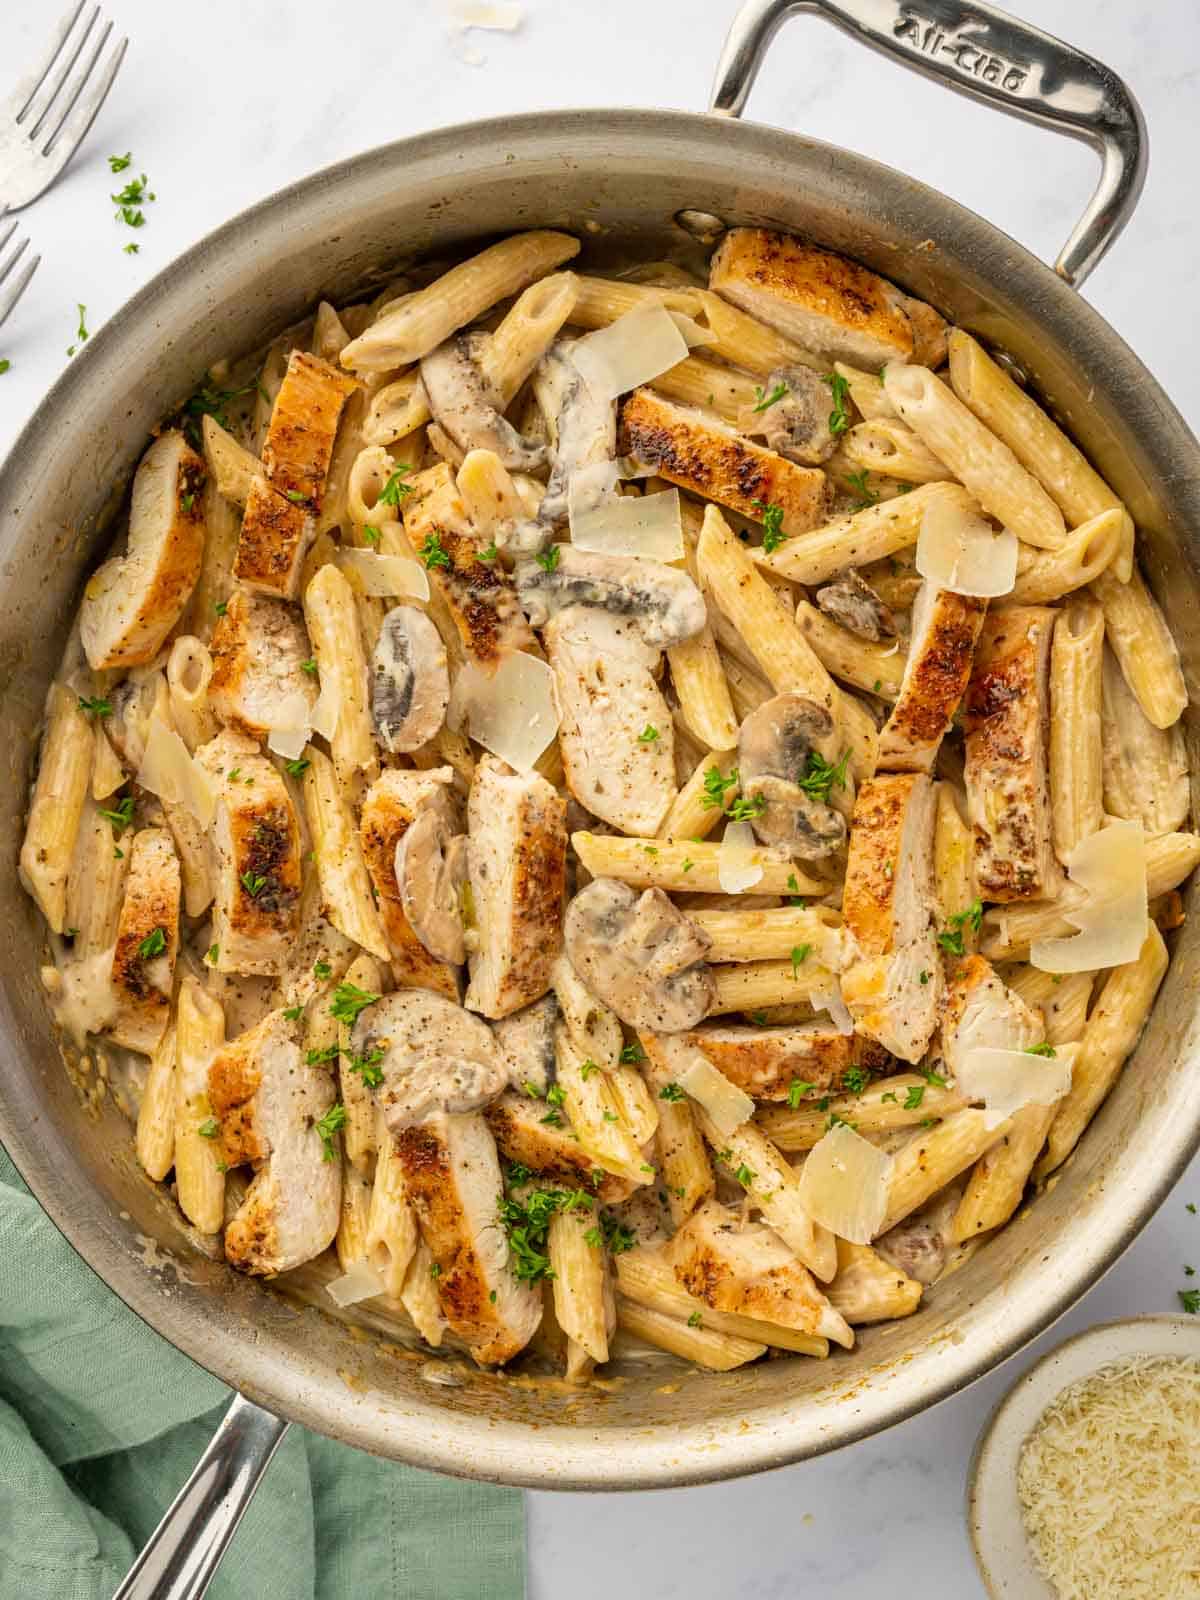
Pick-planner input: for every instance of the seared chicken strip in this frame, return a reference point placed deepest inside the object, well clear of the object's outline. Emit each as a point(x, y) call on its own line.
point(609, 701)
point(945, 627)
point(256, 839)
point(258, 647)
point(765, 1062)
point(479, 595)
point(745, 1268)
point(981, 1012)
point(304, 424)
point(894, 989)
point(143, 966)
point(273, 541)
point(1007, 772)
point(640, 955)
point(553, 1152)
point(704, 455)
point(133, 601)
point(391, 804)
point(267, 1103)
point(517, 861)
point(824, 301)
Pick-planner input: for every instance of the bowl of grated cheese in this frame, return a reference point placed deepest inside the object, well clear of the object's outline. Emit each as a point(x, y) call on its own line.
point(1086, 1479)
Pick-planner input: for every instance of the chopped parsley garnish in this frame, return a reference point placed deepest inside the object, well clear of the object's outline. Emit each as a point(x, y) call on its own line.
point(839, 417)
point(432, 553)
point(617, 1236)
point(295, 496)
point(671, 1091)
point(130, 199)
point(610, 1116)
point(818, 777)
point(797, 1089)
point(648, 735)
point(972, 915)
point(221, 607)
point(772, 524)
point(81, 333)
point(932, 1077)
point(327, 1052)
point(209, 1129)
point(586, 1068)
point(187, 501)
point(395, 489)
point(715, 786)
point(253, 883)
point(371, 533)
point(632, 1054)
point(694, 1320)
point(923, 977)
point(293, 1013)
point(322, 969)
point(532, 1090)
point(745, 807)
point(556, 1095)
point(527, 1224)
point(764, 401)
point(328, 1125)
point(834, 1121)
point(759, 1018)
point(687, 865)
point(153, 944)
point(952, 942)
point(297, 768)
point(866, 495)
point(800, 954)
point(855, 1080)
point(490, 553)
point(121, 817)
point(95, 708)
point(132, 248)
point(552, 1119)
point(210, 402)
point(119, 163)
point(916, 1093)
point(5, 365)
point(213, 953)
point(744, 1175)
point(548, 559)
point(1043, 1049)
point(309, 666)
point(348, 1001)
point(435, 1269)
point(891, 1095)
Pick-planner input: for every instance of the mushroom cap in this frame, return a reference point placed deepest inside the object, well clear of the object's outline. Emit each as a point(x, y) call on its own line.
point(805, 827)
point(664, 603)
point(431, 869)
point(436, 1056)
point(640, 955)
point(797, 424)
point(464, 409)
point(410, 681)
point(774, 745)
point(852, 602)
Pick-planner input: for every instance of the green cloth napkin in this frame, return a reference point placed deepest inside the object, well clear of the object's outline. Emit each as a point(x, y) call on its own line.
point(101, 1421)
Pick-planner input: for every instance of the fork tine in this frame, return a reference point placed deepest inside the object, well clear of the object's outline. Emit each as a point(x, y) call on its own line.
point(73, 91)
point(6, 232)
point(73, 130)
point(41, 103)
point(28, 86)
point(7, 266)
point(9, 298)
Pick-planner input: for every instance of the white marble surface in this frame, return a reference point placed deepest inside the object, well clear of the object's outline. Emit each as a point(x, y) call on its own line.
point(222, 103)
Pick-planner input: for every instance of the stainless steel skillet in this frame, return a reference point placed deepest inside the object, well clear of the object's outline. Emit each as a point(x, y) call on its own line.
point(628, 182)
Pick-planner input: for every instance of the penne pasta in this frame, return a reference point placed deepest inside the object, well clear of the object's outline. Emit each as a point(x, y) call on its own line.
point(1044, 575)
point(773, 935)
point(1142, 644)
point(1145, 769)
point(706, 1347)
point(353, 1221)
point(360, 1130)
point(345, 886)
point(189, 672)
point(875, 668)
point(931, 1160)
point(903, 1101)
point(155, 1143)
point(695, 382)
point(580, 1268)
point(760, 984)
point(692, 815)
point(199, 1172)
point(1076, 764)
point(1062, 998)
point(857, 540)
point(64, 768)
point(645, 1277)
point(684, 867)
point(866, 1288)
point(391, 1240)
point(886, 446)
point(867, 392)
point(332, 621)
point(231, 466)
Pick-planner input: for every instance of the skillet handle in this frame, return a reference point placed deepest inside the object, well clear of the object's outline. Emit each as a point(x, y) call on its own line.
point(979, 51)
point(184, 1551)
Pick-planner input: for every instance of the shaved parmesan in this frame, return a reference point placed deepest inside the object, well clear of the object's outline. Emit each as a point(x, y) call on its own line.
point(497, 16)
point(168, 771)
point(844, 1184)
point(648, 526)
point(629, 352)
point(362, 1282)
point(328, 709)
point(589, 488)
point(739, 861)
point(514, 712)
point(957, 550)
point(293, 727)
point(694, 335)
point(1007, 1081)
point(1108, 869)
point(384, 575)
point(830, 999)
point(725, 1103)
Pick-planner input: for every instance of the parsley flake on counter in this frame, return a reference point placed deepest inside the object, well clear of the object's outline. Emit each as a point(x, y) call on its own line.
point(81, 333)
point(119, 163)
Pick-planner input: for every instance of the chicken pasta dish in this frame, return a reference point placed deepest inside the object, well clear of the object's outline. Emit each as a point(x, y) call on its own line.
point(613, 808)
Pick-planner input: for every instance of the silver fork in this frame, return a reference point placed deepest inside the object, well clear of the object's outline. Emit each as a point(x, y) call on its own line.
point(47, 116)
point(10, 293)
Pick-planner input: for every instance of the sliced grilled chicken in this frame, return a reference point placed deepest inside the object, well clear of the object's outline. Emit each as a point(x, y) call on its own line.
point(267, 1103)
point(272, 543)
point(391, 804)
point(516, 826)
point(640, 955)
point(526, 1041)
point(479, 595)
point(1007, 724)
point(793, 415)
point(894, 989)
point(465, 408)
point(583, 429)
point(854, 604)
point(765, 1062)
point(553, 1152)
point(256, 838)
point(663, 604)
point(258, 647)
point(701, 453)
point(434, 1057)
point(304, 424)
point(143, 966)
point(745, 1268)
point(945, 627)
point(132, 602)
point(825, 302)
point(981, 1011)
point(452, 1178)
point(617, 734)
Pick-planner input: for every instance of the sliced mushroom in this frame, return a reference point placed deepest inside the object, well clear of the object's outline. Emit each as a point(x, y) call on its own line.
point(436, 1057)
point(853, 603)
point(410, 682)
point(663, 602)
point(526, 1041)
point(797, 422)
point(584, 427)
point(467, 412)
point(773, 750)
point(640, 955)
point(431, 869)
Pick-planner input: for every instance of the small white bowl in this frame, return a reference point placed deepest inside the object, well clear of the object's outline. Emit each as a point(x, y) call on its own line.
point(998, 1538)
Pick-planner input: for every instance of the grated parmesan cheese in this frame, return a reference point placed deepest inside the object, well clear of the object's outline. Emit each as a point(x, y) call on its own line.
point(1109, 1484)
